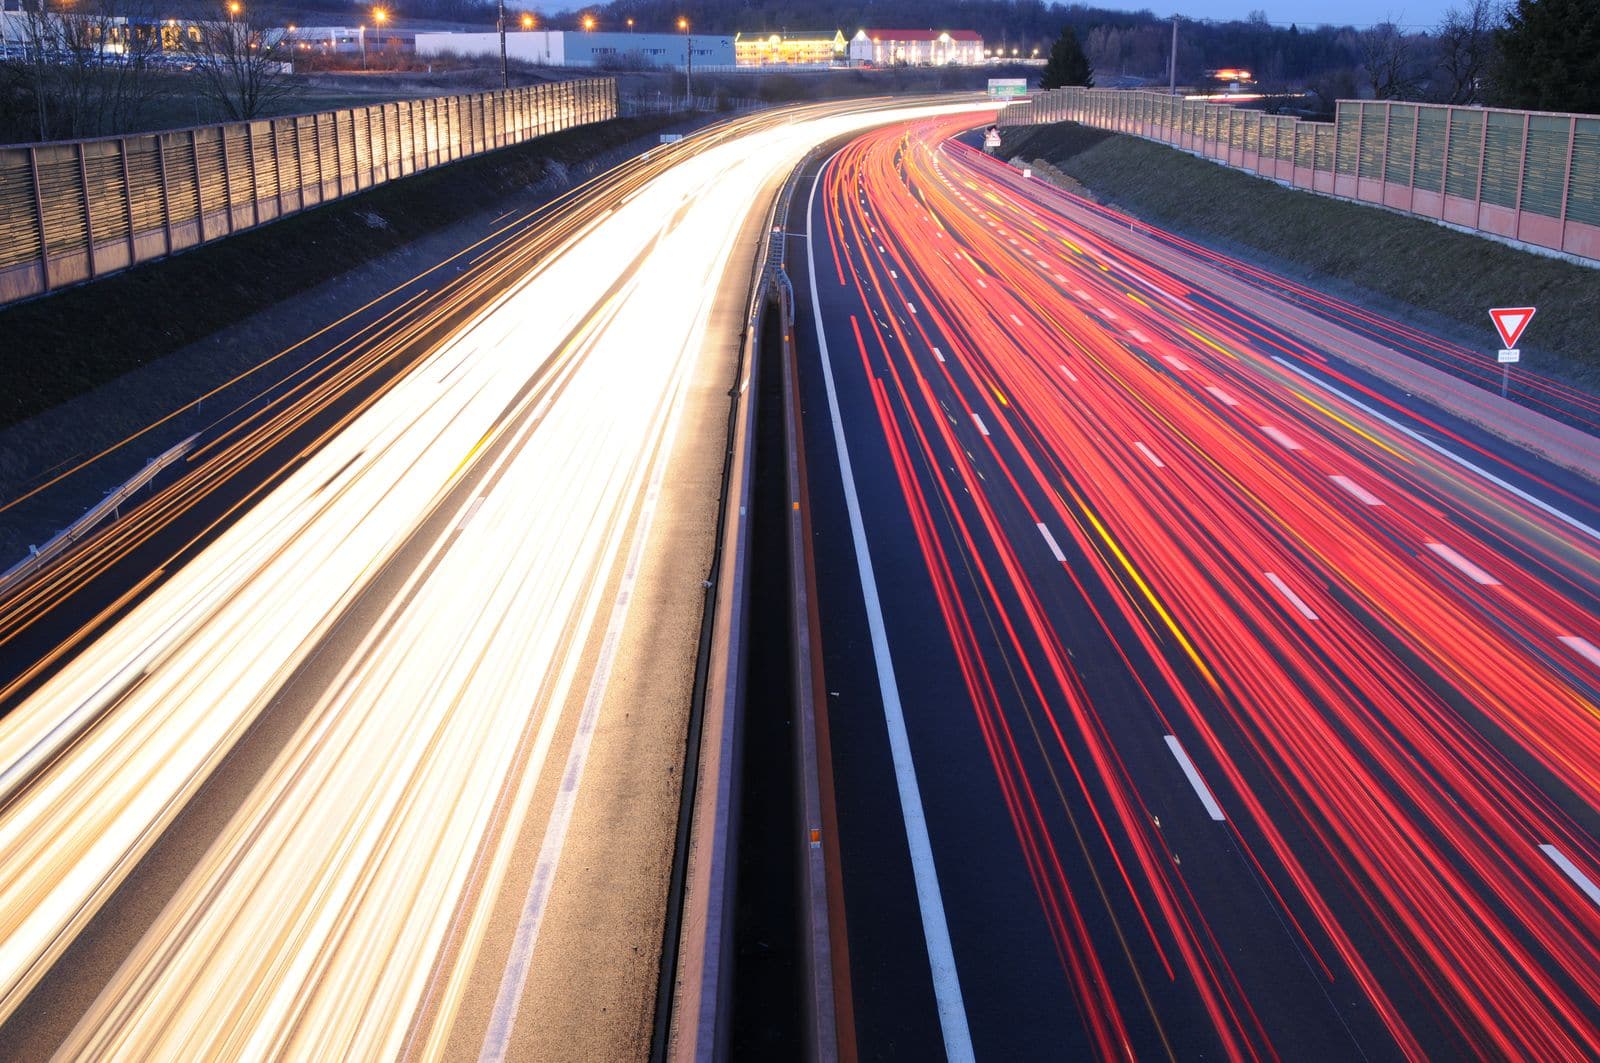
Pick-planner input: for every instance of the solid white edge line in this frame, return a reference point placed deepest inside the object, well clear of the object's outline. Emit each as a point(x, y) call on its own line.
point(1572, 871)
point(1287, 592)
point(1539, 503)
point(1583, 647)
point(1213, 809)
point(1462, 565)
point(930, 904)
point(1050, 540)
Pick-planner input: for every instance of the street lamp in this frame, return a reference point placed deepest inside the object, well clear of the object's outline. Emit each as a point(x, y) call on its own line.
point(234, 7)
point(500, 25)
point(527, 21)
point(588, 23)
point(630, 25)
point(688, 61)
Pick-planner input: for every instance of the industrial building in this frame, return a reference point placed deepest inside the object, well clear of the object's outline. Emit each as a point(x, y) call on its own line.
point(807, 48)
point(916, 47)
point(568, 48)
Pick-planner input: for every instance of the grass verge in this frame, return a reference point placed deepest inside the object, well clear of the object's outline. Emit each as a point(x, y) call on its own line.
point(1362, 249)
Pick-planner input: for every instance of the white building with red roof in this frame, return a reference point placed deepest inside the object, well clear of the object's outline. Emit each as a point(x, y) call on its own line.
point(916, 47)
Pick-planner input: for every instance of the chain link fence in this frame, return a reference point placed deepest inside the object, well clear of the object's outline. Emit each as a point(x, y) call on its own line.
point(75, 210)
point(1528, 176)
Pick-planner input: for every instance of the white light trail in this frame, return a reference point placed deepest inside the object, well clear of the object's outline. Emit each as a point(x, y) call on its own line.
point(314, 923)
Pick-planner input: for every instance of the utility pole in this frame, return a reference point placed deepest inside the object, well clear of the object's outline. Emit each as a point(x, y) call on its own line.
point(688, 63)
point(1172, 61)
point(500, 23)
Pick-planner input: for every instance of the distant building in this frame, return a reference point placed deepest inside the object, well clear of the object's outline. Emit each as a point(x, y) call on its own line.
point(917, 47)
point(568, 48)
point(350, 40)
point(809, 48)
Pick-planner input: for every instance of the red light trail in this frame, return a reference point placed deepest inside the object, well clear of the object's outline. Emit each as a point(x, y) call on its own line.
point(1376, 667)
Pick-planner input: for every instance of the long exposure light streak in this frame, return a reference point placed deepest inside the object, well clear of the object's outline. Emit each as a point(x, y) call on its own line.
point(1372, 653)
point(489, 490)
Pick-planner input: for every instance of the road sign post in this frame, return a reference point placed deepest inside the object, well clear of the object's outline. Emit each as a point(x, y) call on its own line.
point(1509, 321)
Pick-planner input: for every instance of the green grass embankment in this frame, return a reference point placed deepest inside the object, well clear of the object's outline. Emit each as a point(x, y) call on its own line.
point(1350, 250)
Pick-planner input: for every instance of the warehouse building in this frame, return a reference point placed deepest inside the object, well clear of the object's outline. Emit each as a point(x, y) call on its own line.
point(807, 48)
point(916, 47)
point(603, 50)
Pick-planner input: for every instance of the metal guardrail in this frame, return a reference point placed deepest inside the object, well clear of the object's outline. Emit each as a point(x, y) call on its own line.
point(39, 556)
point(72, 211)
point(703, 973)
point(1528, 176)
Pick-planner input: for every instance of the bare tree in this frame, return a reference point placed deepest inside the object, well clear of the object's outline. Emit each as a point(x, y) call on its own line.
point(91, 70)
point(1466, 47)
point(1389, 61)
point(243, 62)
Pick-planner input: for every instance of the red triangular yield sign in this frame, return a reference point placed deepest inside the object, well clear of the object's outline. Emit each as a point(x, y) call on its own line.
point(1511, 320)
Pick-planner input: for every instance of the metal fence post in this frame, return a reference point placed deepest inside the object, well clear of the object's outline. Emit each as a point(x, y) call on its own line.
point(166, 191)
point(255, 177)
point(1522, 172)
point(372, 151)
point(1483, 150)
point(227, 180)
point(1411, 179)
point(1444, 161)
point(1383, 159)
point(38, 209)
point(127, 198)
point(322, 163)
point(199, 189)
point(88, 210)
point(1566, 180)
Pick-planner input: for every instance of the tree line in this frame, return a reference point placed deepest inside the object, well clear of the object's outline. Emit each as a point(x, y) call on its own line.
point(1531, 54)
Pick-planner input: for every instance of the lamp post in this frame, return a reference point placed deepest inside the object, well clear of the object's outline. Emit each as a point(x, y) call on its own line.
point(688, 62)
point(500, 24)
point(379, 17)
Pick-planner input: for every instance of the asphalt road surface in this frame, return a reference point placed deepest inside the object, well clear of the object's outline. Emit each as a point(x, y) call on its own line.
point(270, 740)
point(1194, 691)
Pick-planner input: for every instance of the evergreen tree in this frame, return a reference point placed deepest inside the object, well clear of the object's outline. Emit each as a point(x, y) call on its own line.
point(1067, 64)
point(1550, 56)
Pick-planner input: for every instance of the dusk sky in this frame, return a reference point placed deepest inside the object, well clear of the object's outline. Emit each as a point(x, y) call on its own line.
point(1412, 14)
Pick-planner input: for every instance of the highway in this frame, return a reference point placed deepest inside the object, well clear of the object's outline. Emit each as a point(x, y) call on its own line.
point(274, 742)
point(1194, 690)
